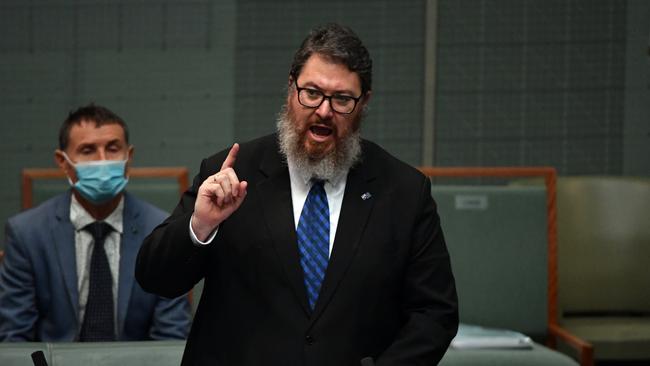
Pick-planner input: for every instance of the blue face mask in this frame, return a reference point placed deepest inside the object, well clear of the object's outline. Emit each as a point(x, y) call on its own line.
point(100, 180)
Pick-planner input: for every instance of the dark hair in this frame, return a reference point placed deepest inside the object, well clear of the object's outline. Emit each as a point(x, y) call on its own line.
point(91, 112)
point(340, 44)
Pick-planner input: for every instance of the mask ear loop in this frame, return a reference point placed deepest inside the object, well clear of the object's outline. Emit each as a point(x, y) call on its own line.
point(65, 156)
point(126, 163)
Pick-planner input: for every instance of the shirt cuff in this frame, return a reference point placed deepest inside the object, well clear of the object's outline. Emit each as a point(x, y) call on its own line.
point(196, 240)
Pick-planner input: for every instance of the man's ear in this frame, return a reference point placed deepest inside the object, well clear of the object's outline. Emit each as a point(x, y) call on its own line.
point(363, 103)
point(290, 84)
point(366, 97)
point(130, 153)
point(64, 165)
point(129, 159)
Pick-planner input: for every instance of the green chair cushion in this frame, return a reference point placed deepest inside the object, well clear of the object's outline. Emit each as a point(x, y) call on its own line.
point(613, 338)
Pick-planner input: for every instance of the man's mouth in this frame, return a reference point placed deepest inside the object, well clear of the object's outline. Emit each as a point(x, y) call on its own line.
point(320, 131)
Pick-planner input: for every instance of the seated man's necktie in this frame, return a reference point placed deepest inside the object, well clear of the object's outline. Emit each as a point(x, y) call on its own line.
point(98, 322)
point(313, 234)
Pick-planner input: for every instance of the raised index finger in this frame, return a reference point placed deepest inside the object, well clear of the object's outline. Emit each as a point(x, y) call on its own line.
point(232, 156)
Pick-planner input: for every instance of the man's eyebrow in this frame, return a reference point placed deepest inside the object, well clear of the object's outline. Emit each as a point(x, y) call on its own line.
point(114, 142)
point(86, 145)
point(94, 144)
point(312, 85)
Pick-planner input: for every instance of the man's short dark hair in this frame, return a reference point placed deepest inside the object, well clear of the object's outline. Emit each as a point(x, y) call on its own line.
point(91, 113)
point(340, 44)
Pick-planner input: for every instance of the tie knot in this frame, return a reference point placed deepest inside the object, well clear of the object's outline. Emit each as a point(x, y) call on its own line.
point(317, 184)
point(98, 230)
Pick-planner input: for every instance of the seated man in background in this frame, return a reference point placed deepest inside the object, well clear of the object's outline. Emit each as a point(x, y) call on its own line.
point(68, 271)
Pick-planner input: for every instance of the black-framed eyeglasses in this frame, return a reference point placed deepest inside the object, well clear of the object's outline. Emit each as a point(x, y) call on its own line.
point(313, 98)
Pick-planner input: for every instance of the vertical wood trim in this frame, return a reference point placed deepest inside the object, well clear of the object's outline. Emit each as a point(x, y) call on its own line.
point(428, 115)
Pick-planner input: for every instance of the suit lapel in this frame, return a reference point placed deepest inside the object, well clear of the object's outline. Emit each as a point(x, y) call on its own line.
point(275, 198)
point(361, 190)
point(130, 243)
point(64, 242)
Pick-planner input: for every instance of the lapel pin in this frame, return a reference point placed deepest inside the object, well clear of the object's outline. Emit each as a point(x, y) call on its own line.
point(366, 196)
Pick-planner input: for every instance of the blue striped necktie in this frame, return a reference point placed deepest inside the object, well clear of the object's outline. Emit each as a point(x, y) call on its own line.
point(313, 240)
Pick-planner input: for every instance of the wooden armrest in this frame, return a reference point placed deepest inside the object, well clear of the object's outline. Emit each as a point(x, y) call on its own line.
point(585, 349)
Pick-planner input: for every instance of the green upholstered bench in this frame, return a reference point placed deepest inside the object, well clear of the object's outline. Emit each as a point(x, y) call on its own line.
point(144, 353)
point(169, 353)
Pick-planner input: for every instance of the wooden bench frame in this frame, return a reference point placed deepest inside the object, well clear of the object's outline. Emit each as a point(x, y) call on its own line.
point(555, 331)
point(31, 174)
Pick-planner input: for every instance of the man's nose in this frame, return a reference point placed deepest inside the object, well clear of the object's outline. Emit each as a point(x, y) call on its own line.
point(324, 110)
point(101, 154)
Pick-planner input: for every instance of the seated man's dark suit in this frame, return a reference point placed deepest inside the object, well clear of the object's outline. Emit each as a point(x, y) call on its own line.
point(388, 291)
point(39, 299)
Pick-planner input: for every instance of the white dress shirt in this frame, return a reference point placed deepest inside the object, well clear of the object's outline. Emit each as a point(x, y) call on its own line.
point(84, 246)
point(300, 186)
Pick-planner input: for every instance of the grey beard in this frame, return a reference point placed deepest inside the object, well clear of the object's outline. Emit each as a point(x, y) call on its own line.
point(333, 165)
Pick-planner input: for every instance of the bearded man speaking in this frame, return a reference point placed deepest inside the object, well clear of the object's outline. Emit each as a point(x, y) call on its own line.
point(317, 247)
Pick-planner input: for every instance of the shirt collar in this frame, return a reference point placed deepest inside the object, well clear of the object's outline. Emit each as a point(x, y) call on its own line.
point(80, 218)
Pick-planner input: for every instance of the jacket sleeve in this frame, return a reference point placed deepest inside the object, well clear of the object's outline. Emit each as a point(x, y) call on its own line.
point(169, 263)
point(18, 312)
point(430, 304)
point(171, 319)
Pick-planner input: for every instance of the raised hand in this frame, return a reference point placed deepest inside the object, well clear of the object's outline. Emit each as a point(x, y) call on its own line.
point(219, 196)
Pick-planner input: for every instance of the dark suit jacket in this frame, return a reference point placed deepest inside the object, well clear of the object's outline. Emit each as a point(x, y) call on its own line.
point(39, 299)
point(388, 291)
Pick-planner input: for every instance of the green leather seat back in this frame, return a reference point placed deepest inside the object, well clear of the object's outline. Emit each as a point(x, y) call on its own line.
point(604, 244)
point(496, 236)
